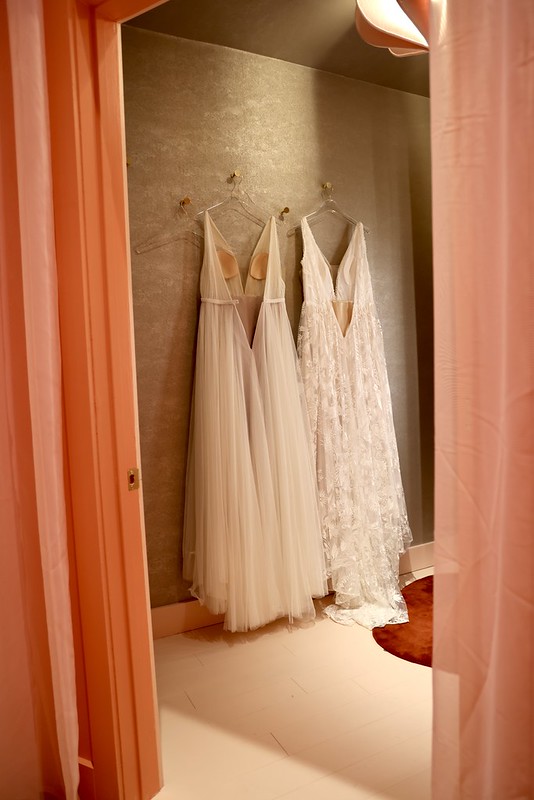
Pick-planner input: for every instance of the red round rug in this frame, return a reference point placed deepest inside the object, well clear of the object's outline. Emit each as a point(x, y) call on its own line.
point(412, 640)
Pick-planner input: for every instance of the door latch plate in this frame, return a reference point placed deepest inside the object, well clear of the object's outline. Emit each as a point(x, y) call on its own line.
point(133, 479)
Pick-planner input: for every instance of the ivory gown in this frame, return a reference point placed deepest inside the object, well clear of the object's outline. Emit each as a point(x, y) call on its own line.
point(252, 537)
point(365, 525)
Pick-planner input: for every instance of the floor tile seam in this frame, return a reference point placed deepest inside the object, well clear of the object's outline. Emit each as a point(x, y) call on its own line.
point(282, 694)
point(280, 744)
point(347, 730)
point(250, 675)
point(305, 718)
point(389, 686)
point(250, 774)
point(347, 677)
point(233, 719)
point(280, 661)
point(173, 654)
point(352, 703)
point(231, 727)
point(303, 695)
point(289, 650)
point(380, 661)
point(190, 700)
point(237, 658)
point(277, 757)
point(245, 777)
point(261, 685)
point(402, 780)
point(339, 772)
point(406, 741)
point(227, 687)
point(309, 784)
point(184, 681)
point(281, 757)
point(316, 692)
point(341, 654)
point(196, 653)
point(325, 771)
point(400, 741)
point(167, 703)
point(177, 675)
point(271, 756)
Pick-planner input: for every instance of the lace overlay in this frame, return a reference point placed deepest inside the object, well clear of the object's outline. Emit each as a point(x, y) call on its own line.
point(364, 521)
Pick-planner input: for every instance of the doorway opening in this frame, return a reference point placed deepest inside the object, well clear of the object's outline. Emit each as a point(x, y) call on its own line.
point(196, 110)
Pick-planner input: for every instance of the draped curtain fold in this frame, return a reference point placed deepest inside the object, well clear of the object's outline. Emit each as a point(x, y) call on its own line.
point(482, 107)
point(39, 732)
point(482, 91)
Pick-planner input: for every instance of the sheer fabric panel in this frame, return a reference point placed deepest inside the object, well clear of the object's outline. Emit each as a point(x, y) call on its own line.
point(38, 749)
point(482, 88)
point(252, 537)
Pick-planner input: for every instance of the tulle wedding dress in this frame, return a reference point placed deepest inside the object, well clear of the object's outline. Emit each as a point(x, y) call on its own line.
point(365, 525)
point(252, 536)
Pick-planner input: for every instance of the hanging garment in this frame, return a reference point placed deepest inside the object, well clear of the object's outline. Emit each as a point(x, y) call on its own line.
point(365, 525)
point(252, 536)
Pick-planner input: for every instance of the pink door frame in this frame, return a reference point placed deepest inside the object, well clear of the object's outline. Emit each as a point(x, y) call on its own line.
point(119, 738)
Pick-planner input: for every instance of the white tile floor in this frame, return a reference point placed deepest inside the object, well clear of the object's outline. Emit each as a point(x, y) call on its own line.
point(318, 712)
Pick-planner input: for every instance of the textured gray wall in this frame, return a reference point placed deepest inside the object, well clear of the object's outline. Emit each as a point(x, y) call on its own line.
point(194, 113)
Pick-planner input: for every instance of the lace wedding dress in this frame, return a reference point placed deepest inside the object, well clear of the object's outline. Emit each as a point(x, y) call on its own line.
point(252, 537)
point(365, 525)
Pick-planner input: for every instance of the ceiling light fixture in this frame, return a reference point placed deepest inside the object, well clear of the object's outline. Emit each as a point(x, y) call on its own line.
point(399, 25)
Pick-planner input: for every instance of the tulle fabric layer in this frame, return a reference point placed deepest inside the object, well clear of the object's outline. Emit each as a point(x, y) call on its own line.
point(252, 537)
point(290, 450)
point(231, 548)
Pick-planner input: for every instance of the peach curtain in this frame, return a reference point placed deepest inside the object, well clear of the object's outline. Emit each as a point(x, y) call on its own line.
point(482, 89)
point(38, 719)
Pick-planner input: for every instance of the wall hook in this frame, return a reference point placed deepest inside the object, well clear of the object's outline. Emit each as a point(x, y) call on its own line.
point(328, 190)
point(184, 202)
point(236, 177)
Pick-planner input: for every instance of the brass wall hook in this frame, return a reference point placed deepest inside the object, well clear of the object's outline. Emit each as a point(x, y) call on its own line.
point(283, 212)
point(184, 202)
point(328, 190)
point(235, 178)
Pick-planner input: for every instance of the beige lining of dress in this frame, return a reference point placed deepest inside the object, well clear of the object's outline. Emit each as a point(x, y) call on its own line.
point(343, 311)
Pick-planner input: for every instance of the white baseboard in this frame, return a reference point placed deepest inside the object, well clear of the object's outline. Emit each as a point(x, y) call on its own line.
point(420, 556)
point(190, 615)
point(181, 617)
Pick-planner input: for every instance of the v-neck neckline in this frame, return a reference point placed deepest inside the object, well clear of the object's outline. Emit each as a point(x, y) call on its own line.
point(228, 249)
point(332, 283)
point(243, 294)
point(334, 299)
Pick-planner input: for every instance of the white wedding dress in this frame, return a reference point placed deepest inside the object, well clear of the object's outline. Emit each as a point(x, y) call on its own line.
point(341, 352)
point(252, 536)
